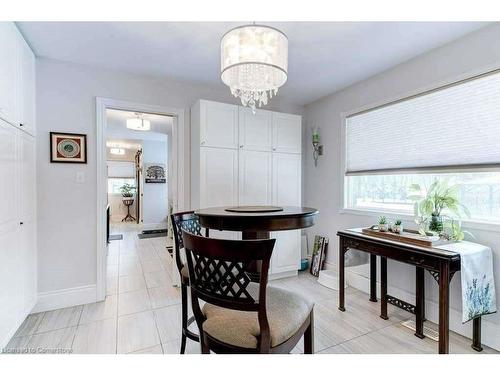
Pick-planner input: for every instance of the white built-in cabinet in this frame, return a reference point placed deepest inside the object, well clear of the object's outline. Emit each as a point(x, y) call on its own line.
point(241, 158)
point(18, 251)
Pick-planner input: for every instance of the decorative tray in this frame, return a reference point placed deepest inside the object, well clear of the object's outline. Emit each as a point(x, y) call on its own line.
point(254, 209)
point(408, 236)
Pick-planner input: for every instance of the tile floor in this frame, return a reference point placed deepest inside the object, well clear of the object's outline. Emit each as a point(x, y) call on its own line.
point(141, 313)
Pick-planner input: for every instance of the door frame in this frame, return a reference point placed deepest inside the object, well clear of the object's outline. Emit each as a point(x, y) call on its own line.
point(177, 183)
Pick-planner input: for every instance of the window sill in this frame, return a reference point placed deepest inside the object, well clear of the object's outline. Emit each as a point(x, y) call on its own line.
point(407, 218)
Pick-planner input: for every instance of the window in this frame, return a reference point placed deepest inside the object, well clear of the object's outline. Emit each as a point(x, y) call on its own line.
point(448, 133)
point(479, 192)
point(114, 184)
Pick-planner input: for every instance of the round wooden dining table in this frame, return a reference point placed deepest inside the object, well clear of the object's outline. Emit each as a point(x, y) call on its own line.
point(255, 222)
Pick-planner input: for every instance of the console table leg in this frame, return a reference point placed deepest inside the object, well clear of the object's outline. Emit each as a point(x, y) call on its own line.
point(444, 306)
point(383, 288)
point(341, 276)
point(476, 335)
point(373, 278)
point(419, 303)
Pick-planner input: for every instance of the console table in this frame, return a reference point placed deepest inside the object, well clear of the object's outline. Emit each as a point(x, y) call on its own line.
point(442, 264)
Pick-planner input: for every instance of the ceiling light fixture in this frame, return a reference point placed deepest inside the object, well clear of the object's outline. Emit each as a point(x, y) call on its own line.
point(254, 63)
point(138, 123)
point(117, 151)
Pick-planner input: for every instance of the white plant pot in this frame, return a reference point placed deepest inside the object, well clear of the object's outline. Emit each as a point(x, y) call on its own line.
point(397, 229)
point(383, 227)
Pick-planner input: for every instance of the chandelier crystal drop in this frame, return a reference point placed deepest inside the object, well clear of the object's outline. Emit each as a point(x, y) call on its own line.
point(254, 63)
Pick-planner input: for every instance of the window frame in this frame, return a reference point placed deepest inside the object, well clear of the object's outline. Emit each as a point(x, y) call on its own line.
point(467, 223)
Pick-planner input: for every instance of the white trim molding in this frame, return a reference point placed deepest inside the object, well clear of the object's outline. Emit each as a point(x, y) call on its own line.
point(178, 171)
point(62, 298)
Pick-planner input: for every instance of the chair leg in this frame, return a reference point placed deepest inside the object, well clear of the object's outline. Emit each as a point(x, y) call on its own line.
point(204, 346)
point(309, 336)
point(184, 316)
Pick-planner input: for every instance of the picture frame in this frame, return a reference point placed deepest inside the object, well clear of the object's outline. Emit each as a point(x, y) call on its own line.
point(319, 254)
point(68, 148)
point(155, 173)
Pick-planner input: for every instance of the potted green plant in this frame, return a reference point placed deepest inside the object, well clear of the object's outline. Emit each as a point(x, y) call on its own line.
point(397, 227)
point(437, 205)
point(127, 191)
point(383, 226)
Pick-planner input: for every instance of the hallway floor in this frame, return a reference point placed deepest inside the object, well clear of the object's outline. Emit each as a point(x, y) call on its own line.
point(142, 313)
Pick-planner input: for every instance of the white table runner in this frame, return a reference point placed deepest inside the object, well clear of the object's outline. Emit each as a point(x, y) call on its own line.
point(478, 284)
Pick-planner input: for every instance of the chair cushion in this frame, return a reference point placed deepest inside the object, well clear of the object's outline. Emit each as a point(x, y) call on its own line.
point(286, 312)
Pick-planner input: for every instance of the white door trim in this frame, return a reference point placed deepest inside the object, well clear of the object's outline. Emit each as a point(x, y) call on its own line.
point(178, 166)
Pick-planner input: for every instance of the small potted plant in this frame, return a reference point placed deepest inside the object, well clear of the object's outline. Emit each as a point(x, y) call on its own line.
point(397, 227)
point(383, 226)
point(127, 191)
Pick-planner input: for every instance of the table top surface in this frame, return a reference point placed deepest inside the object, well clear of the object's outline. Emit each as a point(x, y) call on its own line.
point(288, 211)
point(287, 219)
point(357, 232)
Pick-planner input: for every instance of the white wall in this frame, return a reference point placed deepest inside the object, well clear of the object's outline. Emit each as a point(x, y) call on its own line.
point(473, 53)
point(155, 199)
point(67, 210)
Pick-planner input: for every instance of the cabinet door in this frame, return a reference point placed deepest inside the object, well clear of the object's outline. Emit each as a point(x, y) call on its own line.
point(9, 72)
point(287, 133)
point(286, 179)
point(27, 248)
point(255, 130)
point(27, 88)
point(10, 290)
point(286, 253)
point(218, 125)
point(255, 178)
point(218, 177)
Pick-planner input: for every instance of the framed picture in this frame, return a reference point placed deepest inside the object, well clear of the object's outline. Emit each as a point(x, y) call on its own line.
point(68, 148)
point(155, 173)
point(319, 254)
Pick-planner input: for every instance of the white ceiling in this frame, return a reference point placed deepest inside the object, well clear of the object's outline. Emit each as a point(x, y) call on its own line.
point(324, 57)
point(117, 121)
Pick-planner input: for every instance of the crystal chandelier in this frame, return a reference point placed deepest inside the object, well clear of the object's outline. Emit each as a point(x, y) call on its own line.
point(254, 63)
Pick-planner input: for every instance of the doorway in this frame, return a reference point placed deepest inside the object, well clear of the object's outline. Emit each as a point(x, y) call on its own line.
point(140, 174)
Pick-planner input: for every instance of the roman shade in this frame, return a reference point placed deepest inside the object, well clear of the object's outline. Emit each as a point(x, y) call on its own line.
point(121, 169)
point(455, 126)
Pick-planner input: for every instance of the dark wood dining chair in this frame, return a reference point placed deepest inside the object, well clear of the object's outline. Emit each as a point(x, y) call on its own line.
point(187, 221)
point(241, 316)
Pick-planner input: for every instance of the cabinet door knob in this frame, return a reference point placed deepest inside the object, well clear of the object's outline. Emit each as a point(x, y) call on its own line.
point(21, 125)
point(202, 142)
point(274, 148)
point(241, 146)
point(21, 223)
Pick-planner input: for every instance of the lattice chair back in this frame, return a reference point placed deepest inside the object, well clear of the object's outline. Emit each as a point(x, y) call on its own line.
point(189, 222)
point(218, 271)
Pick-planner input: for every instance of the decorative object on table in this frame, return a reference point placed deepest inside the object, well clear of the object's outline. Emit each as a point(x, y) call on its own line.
point(383, 225)
point(127, 191)
point(476, 275)
point(254, 63)
point(319, 254)
point(397, 227)
point(155, 173)
point(317, 147)
point(68, 148)
point(407, 236)
point(437, 208)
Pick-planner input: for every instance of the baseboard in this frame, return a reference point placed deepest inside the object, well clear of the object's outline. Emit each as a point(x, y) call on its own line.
point(281, 275)
point(62, 298)
point(490, 331)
